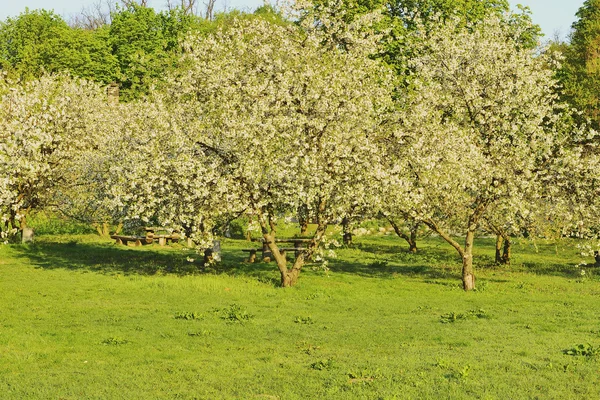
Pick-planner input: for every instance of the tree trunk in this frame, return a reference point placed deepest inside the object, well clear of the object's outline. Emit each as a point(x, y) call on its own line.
point(280, 260)
point(304, 227)
point(268, 230)
point(506, 251)
point(499, 241)
point(468, 274)
point(290, 277)
point(303, 218)
point(347, 237)
point(26, 232)
point(412, 244)
point(103, 229)
point(411, 240)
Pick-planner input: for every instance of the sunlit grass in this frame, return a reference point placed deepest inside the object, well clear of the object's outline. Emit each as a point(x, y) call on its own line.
point(84, 318)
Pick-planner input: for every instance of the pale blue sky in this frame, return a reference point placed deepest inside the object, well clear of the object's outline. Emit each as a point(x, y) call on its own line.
point(554, 16)
point(11, 8)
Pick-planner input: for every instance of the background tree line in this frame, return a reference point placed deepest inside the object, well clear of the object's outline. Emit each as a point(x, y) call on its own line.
point(130, 44)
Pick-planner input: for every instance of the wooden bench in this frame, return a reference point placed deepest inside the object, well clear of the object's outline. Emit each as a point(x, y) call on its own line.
point(164, 238)
point(251, 255)
point(266, 254)
point(296, 250)
point(136, 240)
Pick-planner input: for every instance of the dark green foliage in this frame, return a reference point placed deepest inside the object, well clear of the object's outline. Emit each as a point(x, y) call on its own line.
point(580, 72)
point(584, 350)
point(304, 320)
point(469, 10)
point(48, 223)
point(238, 228)
point(146, 45)
point(137, 50)
point(322, 365)
point(40, 41)
point(472, 314)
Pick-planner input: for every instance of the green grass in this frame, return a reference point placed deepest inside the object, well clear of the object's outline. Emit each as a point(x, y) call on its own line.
point(83, 318)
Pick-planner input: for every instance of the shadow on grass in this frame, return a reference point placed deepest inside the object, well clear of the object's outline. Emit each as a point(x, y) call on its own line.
point(377, 260)
point(391, 258)
point(107, 258)
point(553, 269)
point(383, 269)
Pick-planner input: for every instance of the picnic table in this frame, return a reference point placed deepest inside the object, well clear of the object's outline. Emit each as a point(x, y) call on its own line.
point(299, 245)
point(163, 238)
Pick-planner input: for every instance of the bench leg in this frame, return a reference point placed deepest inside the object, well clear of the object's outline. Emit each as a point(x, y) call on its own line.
point(266, 253)
point(252, 256)
point(162, 241)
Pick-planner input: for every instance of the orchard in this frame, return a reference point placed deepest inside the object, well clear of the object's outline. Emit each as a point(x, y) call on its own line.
point(347, 113)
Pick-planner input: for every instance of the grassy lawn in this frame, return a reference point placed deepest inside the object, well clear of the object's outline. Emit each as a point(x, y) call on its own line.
point(81, 318)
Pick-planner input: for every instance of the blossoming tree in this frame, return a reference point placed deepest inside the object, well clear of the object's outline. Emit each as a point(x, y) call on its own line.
point(44, 127)
point(282, 120)
point(478, 126)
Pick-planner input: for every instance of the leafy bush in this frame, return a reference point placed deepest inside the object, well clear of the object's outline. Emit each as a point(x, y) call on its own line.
point(374, 224)
point(238, 228)
point(304, 320)
point(204, 332)
point(472, 314)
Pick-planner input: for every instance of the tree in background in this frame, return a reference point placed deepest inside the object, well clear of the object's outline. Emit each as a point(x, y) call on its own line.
point(133, 45)
point(400, 19)
point(38, 42)
point(580, 73)
point(146, 45)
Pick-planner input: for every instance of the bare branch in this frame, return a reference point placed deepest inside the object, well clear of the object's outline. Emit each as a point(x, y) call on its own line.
point(210, 6)
point(94, 16)
point(129, 3)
